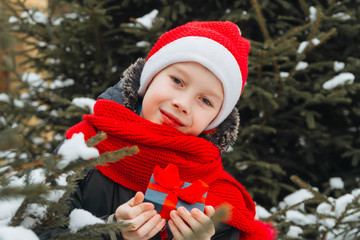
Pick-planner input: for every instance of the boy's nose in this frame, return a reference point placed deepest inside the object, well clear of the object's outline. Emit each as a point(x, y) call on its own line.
point(181, 106)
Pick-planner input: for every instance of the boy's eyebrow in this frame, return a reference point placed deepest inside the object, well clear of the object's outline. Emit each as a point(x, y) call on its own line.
point(182, 71)
point(215, 94)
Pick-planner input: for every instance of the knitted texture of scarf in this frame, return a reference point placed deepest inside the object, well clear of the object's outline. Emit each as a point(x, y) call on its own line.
point(160, 145)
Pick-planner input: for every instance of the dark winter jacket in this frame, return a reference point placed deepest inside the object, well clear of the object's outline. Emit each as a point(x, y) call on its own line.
point(101, 196)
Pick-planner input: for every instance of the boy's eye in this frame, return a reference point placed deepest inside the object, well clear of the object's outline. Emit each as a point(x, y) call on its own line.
point(206, 101)
point(176, 81)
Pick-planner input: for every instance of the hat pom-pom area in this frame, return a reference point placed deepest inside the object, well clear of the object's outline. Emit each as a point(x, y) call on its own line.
point(262, 231)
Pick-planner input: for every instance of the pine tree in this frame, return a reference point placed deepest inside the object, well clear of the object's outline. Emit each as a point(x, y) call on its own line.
point(294, 120)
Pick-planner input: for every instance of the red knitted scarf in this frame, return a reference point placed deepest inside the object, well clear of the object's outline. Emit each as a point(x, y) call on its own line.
point(195, 157)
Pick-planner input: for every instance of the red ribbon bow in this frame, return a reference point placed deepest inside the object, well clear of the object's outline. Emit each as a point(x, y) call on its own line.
point(168, 181)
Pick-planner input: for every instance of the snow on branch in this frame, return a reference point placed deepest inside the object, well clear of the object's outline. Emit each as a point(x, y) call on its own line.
point(85, 103)
point(341, 79)
point(17, 233)
point(75, 148)
point(80, 218)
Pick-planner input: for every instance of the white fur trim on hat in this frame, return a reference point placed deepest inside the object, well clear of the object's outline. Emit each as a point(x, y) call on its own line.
point(208, 53)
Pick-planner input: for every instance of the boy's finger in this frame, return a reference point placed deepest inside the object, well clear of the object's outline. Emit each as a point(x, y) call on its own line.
point(131, 201)
point(133, 212)
point(147, 230)
point(209, 211)
point(183, 222)
point(137, 199)
point(199, 216)
point(174, 230)
point(143, 207)
point(158, 227)
point(188, 218)
point(138, 202)
point(140, 220)
point(206, 223)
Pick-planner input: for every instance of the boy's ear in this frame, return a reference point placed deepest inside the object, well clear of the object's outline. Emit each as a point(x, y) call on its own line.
point(226, 133)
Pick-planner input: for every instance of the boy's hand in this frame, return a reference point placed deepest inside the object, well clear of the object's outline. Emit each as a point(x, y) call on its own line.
point(142, 217)
point(182, 223)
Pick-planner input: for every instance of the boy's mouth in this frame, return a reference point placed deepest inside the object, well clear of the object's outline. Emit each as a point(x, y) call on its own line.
point(169, 120)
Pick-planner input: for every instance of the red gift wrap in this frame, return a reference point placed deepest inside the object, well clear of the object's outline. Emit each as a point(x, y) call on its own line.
point(168, 192)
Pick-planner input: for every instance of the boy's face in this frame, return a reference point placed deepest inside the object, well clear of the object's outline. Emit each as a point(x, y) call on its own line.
point(186, 96)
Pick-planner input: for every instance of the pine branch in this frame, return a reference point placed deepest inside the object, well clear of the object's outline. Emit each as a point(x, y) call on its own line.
point(96, 29)
point(291, 33)
point(55, 97)
point(95, 231)
point(304, 6)
point(262, 23)
point(267, 166)
point(30, 191)
point(13, 11)
point(284, 46)
point(344, 214)
point(259, 80)
point(327, 35)
point(269, 45)
point(107, 157)
point(313, 33)
point(16, 220)
point(93, 141)
point(26, 166)
point(302, 184)
point(279, 213)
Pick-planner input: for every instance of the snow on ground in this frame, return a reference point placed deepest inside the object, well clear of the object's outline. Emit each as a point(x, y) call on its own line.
point(80, 218)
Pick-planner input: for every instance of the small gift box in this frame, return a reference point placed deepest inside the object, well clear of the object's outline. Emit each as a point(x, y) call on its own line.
point(168, 192)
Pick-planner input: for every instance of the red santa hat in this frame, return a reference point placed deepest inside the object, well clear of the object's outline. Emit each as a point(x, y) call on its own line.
point(216, 45)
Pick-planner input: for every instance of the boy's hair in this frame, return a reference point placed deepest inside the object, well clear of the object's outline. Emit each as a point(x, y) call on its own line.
point(216, 45)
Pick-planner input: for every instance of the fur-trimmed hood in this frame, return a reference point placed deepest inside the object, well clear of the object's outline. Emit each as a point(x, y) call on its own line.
point(125, 93)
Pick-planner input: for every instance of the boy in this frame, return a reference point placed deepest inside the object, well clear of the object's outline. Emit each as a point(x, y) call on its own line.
point(178, 107)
